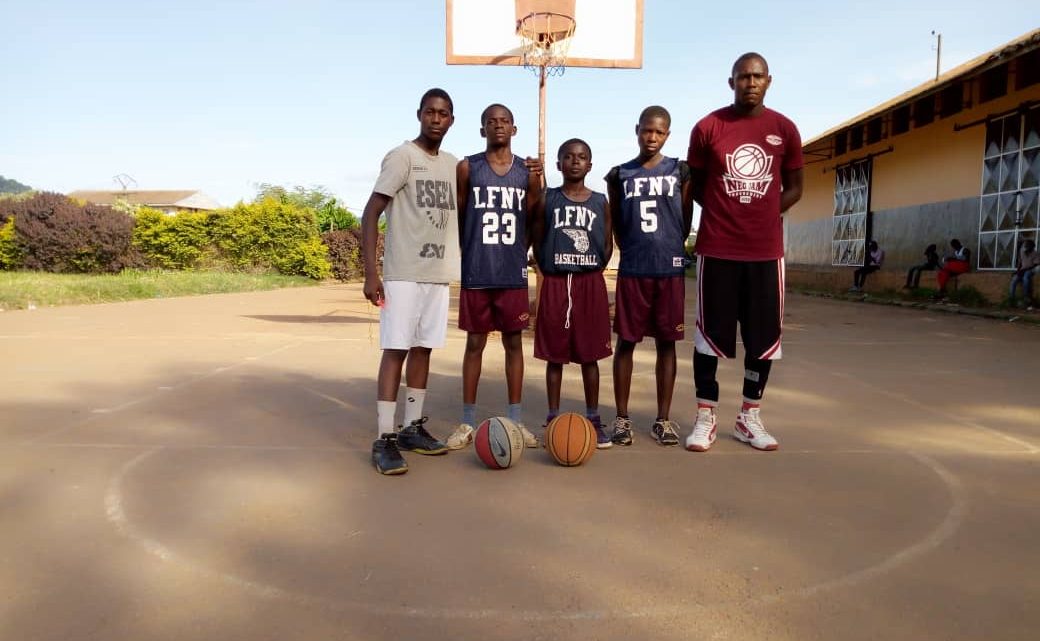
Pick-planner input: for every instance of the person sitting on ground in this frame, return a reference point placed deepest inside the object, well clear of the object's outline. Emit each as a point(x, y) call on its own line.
point(1028, 266)
point(930, 264)
point(955, 263)
point(874, 261)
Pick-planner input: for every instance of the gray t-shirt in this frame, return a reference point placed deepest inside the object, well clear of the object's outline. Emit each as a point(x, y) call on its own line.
point(422, 227)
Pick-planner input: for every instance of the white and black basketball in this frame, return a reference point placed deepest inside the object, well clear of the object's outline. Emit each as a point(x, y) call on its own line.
point(498, 443)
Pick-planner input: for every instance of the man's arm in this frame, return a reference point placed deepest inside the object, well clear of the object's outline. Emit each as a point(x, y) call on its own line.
point(614, 206)
point(375, 206)
point(791, 179)
point(687, 204)
point(462, 191)
point(534, 215)
point(608, 236)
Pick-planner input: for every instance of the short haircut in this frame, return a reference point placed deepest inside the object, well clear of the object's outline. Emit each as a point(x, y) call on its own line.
point(483, 114)
point(573, 141)
point(436, 92)
point(656, 111)
point(751, 55)
point(955, 243)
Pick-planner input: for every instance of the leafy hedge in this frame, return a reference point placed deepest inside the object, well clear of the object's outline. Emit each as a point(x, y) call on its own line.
point(179, 241)
point(54, 233)
point(271, 233)
point(345, 253)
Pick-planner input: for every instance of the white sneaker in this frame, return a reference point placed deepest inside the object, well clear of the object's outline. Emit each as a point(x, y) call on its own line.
point(750, 430)
point(530, 440)
point(704, 431)
point(460, 438)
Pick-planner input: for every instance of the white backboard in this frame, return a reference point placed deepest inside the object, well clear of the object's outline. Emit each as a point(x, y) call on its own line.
point(607, 33)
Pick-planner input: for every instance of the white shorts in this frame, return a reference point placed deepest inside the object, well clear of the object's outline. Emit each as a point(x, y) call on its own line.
point(415, 315)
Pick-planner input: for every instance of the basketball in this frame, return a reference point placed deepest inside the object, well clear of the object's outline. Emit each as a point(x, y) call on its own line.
point(498, 443)
point(570, 439)
point(749, 161)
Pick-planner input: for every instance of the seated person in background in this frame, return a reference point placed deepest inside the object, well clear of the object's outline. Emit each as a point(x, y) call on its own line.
point(955, 263)
point(874, 261)
point(1028, 266)
point(930, 264)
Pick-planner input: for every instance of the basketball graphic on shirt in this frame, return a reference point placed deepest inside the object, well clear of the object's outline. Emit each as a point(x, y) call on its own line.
point(749, 161)
point(748, 173)
point(579, 237)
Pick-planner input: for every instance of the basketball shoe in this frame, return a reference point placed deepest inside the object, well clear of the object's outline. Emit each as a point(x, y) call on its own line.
point(415, 438)
point(750, 430)
point(665, 432)
point(622, 431)
point(530, 440)
point(386, 457)
point(460, 438)
point(704, 431)
point(603, 440)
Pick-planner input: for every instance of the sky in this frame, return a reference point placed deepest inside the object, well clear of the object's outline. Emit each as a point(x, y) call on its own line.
point(224, 95)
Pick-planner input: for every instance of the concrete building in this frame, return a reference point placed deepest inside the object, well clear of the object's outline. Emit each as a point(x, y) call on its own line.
point(956, 157)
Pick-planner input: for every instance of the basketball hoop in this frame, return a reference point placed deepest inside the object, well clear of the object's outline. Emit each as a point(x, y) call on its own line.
point(545, 28)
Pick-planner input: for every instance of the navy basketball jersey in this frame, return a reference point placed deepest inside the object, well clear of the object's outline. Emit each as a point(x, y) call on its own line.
point(494, 245)
point(650, 229)
point(575, 234)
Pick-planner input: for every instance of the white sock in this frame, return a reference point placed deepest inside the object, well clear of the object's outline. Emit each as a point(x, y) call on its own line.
point(385, 411)
point(413, 404)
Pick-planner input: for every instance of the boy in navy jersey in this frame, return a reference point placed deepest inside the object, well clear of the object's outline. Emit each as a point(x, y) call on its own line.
point(746, 162)
point(495, 193)
point(651, 204)
point(571, 230)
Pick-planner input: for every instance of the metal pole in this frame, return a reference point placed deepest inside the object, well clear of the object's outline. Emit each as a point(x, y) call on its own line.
point(541, 114)
point(938, 53)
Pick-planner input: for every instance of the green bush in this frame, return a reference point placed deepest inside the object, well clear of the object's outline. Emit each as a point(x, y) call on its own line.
point(345, 253)
point(10, 253)
point(271, 233)
point(178, 241)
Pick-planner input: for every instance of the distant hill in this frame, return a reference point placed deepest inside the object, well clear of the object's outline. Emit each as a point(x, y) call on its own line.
point(11, 186)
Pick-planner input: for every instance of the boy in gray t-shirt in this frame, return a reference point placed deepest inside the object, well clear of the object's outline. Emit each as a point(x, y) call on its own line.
point(416, 189)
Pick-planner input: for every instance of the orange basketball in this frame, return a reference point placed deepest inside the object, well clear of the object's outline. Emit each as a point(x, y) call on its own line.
point(570, 439)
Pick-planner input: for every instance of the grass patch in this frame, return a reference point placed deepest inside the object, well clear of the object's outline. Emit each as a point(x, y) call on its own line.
point(22, 290)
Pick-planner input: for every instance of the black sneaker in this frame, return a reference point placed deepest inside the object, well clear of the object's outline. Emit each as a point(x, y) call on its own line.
point(665, 431)
point(415, 438)
point(622, 431)
point(386, 457)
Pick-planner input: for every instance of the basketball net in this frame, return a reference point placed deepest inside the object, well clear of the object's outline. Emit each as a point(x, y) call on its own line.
point(545, 39)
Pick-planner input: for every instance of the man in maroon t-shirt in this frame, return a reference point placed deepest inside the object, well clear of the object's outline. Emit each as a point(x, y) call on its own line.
point(746, 164)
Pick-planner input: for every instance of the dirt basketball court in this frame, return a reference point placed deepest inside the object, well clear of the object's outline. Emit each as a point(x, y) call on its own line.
point(198, 468)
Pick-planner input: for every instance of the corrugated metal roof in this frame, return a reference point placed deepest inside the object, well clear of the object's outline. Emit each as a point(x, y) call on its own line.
point(186, 198)
point(1003, 52)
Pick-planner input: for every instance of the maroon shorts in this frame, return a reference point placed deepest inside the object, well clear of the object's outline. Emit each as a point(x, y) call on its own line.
point(649, 307)
point(488, 310)
point(573, 326)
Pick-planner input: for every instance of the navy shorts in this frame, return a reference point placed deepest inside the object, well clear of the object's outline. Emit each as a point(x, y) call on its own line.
point(487, 310)
point(748, 293)
point(646, 306)
point(573, 319)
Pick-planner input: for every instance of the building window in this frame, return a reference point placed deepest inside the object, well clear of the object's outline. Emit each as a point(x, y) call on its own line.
point(994, 83)
point(856, 137)
point(1008, 207)
point(875, 130)
point(952, 100)
point(924, 111)
point(839, 144)
point(851, 206)
point(901, 120)
point(1028, 70)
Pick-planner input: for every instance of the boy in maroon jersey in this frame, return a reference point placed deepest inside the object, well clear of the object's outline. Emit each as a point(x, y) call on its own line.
point(746, 162)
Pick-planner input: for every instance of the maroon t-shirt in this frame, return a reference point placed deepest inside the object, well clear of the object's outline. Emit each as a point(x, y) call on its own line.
point(743, 157)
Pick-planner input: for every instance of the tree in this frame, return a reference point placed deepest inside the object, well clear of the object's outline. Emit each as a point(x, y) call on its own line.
point(328, 212)
point(12, 186)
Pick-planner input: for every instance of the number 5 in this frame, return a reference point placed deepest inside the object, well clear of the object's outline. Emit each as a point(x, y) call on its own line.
point(647, 215)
